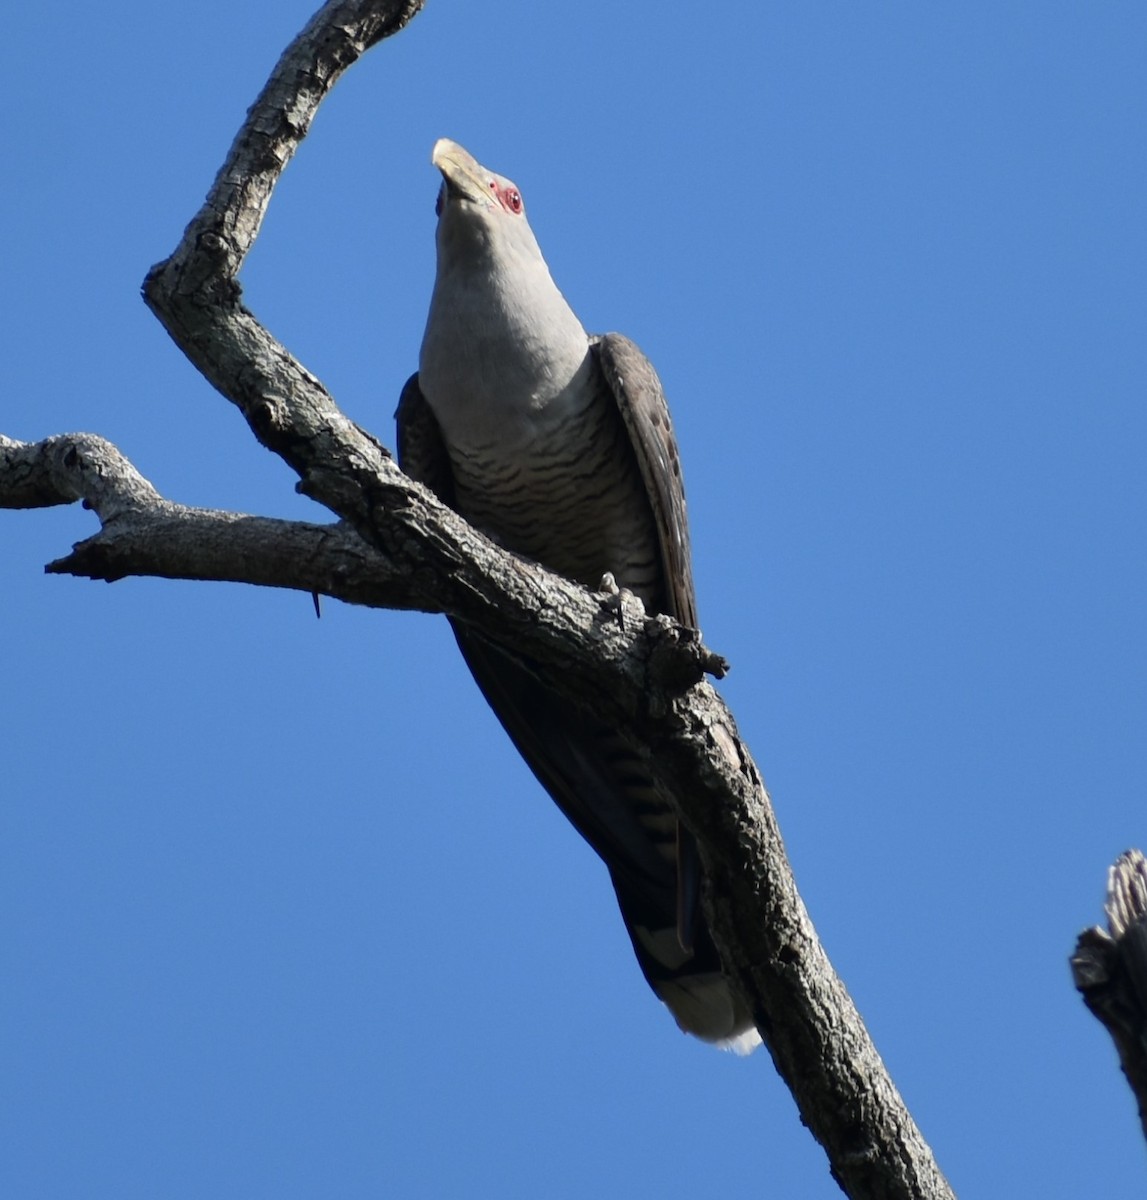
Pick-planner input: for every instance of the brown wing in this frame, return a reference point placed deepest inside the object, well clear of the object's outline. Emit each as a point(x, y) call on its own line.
point(641, 402)
point(421, 450)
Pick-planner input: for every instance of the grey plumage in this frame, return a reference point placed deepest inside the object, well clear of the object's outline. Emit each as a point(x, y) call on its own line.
point(558, 445)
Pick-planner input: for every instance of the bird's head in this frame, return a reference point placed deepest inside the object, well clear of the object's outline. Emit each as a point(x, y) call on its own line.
point(478, 210)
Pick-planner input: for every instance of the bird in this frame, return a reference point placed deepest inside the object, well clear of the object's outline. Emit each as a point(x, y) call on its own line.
point(557, 444)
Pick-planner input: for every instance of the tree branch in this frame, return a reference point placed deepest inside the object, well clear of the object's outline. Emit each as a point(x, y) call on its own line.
point(144, 534)
point(1109, 967)
point(546, 621)
point(643, 674)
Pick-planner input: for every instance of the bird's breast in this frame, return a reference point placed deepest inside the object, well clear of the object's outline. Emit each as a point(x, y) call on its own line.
point(564, 489)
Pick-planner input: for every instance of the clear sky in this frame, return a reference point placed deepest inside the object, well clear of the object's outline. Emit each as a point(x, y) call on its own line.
point(281, 914)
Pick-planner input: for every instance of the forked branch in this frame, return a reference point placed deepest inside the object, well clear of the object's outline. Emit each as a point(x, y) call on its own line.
point(407, 550)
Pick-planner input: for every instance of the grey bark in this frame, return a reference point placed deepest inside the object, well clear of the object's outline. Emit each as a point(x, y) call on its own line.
point(1110, 970)
point(396, 546)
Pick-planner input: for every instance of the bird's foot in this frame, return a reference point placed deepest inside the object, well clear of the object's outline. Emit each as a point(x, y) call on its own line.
point(608, 587)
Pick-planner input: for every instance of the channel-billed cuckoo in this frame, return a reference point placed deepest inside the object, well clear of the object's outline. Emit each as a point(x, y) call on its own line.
point(558, 446)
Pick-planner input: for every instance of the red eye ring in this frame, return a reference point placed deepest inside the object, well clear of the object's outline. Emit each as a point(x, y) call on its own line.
point(507, 196)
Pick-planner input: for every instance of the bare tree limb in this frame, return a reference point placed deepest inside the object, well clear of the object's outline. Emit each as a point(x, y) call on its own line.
point(546, 620)
point(644, 674)
point(144, 534)
point(1110, 970)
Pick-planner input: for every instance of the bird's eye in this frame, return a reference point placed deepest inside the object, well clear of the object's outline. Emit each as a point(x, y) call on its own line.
point(507, 196)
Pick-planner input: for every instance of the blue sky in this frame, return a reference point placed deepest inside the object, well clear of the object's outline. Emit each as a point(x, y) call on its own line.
point(284, 915)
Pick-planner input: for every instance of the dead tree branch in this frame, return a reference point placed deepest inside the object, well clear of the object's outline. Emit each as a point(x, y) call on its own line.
point(1110, 970)
point(396, 546)
point(143, 534)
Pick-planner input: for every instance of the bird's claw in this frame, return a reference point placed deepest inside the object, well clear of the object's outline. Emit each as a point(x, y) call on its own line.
point(608, 587)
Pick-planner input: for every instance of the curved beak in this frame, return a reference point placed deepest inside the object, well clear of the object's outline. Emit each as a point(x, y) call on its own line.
point(464, 175)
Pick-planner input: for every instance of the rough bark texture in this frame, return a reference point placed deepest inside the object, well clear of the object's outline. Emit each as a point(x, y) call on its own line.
point(396, 546)
point(1110, 970)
